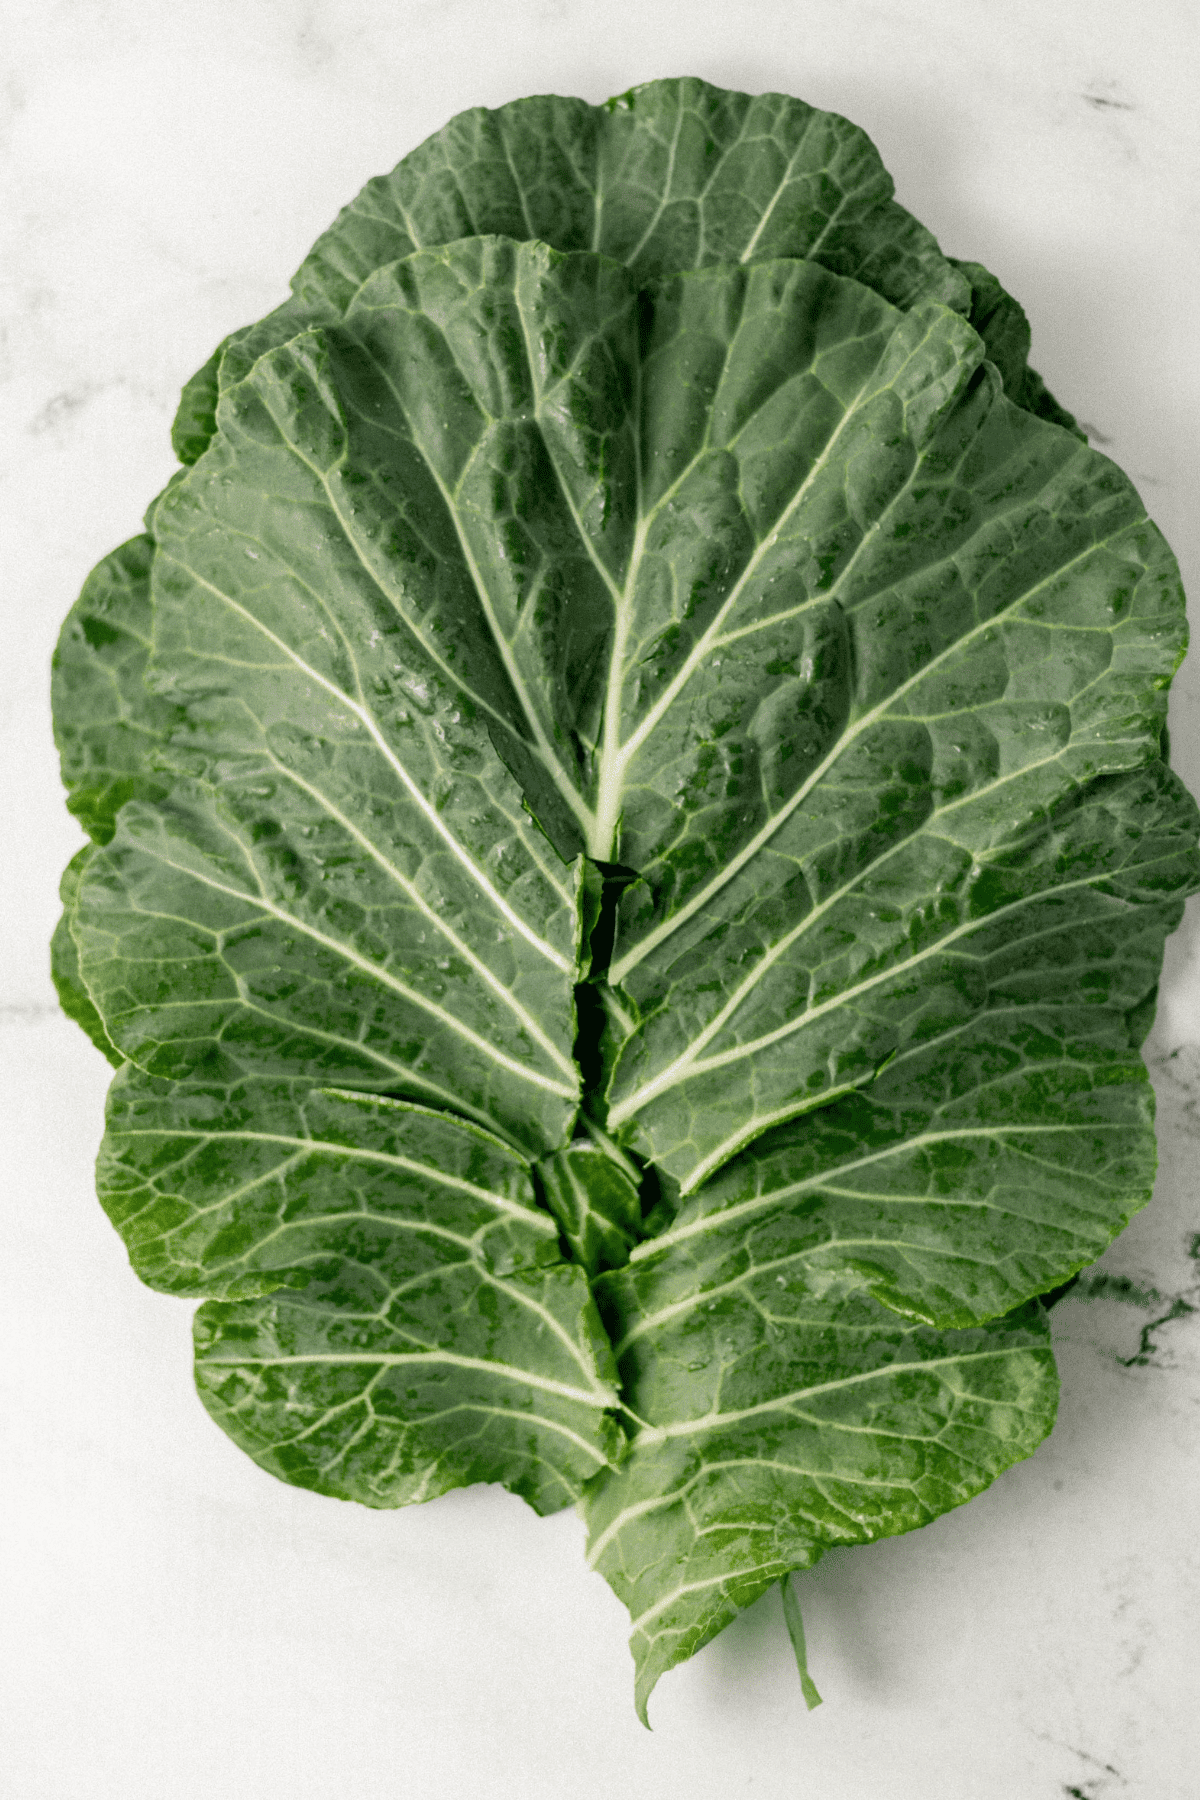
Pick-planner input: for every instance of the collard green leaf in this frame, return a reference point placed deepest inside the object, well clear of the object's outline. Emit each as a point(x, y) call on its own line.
point(927, 625)
point(673, 175)
point(389, 1316)
point(106, 725)
point(207, 930)
point(783, 1405)
point(1073, 904)
point(785, 1421)
point(347, 880)
point(766, 592)
point(1012, 1146)
point(774, 586)
point(69, 985)
point(596, 1203)
point(1001, 323)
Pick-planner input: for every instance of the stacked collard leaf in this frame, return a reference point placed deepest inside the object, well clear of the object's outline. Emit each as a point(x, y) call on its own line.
point(630, 856)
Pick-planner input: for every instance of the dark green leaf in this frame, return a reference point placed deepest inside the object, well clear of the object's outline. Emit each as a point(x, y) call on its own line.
point(596, 1203)
point(348, 882)
point(391, 1317)
point(765, 592)
point(781, 1420)
point(779, 1410)
point(106, 725)
point(673, 175)
point(776, 587)
point(73, 996)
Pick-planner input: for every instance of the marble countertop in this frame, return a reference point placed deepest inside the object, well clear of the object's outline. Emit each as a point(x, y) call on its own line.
point(176, 1623)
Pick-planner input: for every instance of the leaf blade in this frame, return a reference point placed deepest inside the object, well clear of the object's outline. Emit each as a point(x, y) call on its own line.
point(675, 174)
point(107, 726)
point(596, 1204)
point(336, 788)
point(386, 1315)
point(711, 1508)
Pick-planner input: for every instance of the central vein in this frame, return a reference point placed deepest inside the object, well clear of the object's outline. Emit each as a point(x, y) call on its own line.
point(610, 777)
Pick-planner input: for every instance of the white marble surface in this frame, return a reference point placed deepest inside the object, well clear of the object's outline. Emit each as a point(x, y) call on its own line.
point(176, 1623)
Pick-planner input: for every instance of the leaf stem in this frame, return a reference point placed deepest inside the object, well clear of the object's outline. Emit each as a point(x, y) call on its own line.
point(602, 1139)
point(795, 1625)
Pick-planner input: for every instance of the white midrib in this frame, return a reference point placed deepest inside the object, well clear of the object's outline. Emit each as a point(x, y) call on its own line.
point(602, 822)
point(615, 757)
point(600, 1397)
point(827, 1246)
point(610, 775)
point(611, 767)
point(326, 1147)
point(658, 1434)
point(598, 206)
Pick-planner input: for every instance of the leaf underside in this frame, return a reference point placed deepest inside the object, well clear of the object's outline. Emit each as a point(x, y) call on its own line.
point(630, 861)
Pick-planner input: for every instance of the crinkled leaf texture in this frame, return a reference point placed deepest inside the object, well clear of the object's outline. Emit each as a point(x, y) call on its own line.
point(673, 175)
point(630, 861)
point(389, 1314)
